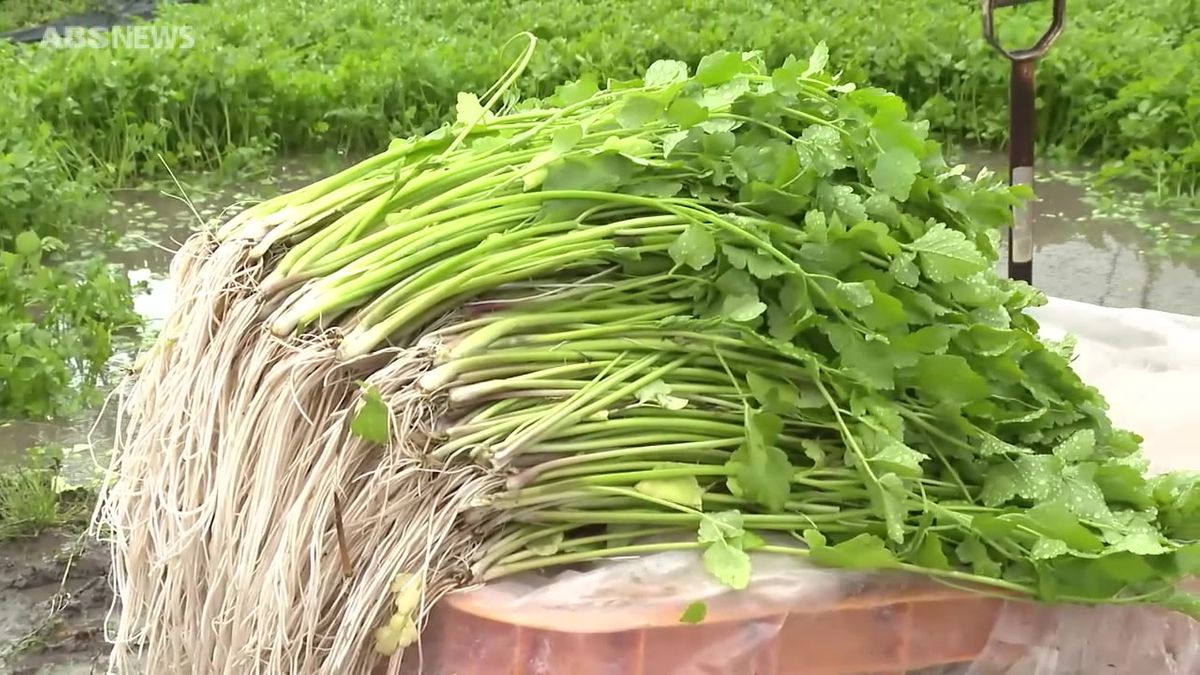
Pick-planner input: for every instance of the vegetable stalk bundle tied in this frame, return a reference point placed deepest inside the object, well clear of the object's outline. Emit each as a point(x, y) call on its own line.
point(724, 311)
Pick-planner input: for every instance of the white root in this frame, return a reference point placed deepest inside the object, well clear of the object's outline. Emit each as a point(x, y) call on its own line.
point(233, 447)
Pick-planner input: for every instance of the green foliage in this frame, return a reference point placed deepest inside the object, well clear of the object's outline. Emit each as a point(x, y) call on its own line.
point(33, 499)
point(16, 14)
point(371, 420)
point(57, 323)
point(266, 77)
point(58, 315)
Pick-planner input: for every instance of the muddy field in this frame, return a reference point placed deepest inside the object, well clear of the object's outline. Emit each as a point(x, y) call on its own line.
point(54, 599)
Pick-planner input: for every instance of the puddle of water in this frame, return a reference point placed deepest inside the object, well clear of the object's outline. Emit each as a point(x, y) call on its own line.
point(1078, 256)
point(152, 224)
point(1102, 258)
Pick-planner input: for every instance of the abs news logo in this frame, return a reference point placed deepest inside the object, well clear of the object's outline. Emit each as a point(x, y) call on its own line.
point(120, 37)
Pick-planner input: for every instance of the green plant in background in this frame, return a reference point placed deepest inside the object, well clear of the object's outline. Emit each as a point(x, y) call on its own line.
point(57, 323)
point(15, 14)
point(58, 312)
point(267, 77)
point(33, 497)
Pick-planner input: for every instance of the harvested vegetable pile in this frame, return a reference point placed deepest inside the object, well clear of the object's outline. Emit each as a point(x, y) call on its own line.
point(724, 311)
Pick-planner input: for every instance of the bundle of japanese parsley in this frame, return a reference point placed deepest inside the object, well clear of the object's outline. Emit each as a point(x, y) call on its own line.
point(726, 310)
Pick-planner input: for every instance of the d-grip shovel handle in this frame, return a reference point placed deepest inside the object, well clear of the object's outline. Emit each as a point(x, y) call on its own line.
point(1022, 123)
point(1057, 20)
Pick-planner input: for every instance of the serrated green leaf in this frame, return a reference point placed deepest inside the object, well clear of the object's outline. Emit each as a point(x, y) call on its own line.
point(737, 282)
point(818, 59)
point(973, 552)
point(1141, 543)
point(842, 201)
point(992, 447)
point(794, 295)
point(863, 552)
point(749, 541)
point(1038, 477)
point(742, 308)
point(718, 67)
point(469, 111)
point(853, 294)
point(946, 255)
point(949, 378)
point(728, 564)
point(887, 495)
point(821, 150)
point(763, 266)
point(873, 362)
point(1078, 447)
point(762, 470)
point(929, 339)
point(775, 396)
point(904, 268)
point(930, 554)
point(661, 73)
point(896, 456)
point(671, 140)
point(371, 420)
point(27, 243)
point(883, 312)
point(686, 113)
point(720, 526)
point(1056, 522)
point(999, 485)
point(638, 111)
point(683, 490)
point(659, 393)
point(695, 248)
point(694, 613)
point(565, 138)
point(894, 172)
point(1082, 496)
point(1048, 548)
point(655, 188)
point(575, 92)
point(604, 173)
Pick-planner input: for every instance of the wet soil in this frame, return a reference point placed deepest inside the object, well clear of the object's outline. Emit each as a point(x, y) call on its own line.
point(54, 599)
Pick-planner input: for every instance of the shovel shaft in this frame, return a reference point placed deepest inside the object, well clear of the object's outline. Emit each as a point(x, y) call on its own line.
point(1022, 130)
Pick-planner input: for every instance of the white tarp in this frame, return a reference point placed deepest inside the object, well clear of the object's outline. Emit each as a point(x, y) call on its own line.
point(1147, 365)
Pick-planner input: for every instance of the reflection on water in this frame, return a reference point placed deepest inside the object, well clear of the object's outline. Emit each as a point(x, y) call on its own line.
point(1078, 256)
point(1102, 259)
point(152, 225)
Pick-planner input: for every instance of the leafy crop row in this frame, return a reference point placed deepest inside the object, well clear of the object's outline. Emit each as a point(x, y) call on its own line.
point(265, 77)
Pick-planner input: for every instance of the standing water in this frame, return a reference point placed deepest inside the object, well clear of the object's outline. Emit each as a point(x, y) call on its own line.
point(151, 225)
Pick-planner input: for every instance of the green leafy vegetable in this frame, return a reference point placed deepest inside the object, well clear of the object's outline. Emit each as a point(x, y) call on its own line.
point(371, 420)
point(694, 613)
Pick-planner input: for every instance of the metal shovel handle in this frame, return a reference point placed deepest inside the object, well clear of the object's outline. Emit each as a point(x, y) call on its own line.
point(1022, 126)
point(1058, 19)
